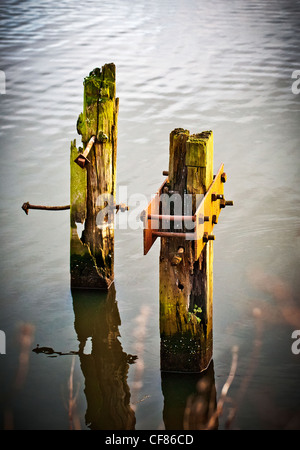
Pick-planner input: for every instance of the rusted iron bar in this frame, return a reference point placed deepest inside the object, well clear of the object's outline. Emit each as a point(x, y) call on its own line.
point(26, 206)
point(189, 236)
point(81, 159)
point(169, 217)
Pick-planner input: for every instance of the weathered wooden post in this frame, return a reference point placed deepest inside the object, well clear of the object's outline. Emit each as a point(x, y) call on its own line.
point(186, 285)
point(93, 183)
point(183, 214)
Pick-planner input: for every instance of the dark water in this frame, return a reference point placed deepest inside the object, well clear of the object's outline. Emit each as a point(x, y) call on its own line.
point(225, 66)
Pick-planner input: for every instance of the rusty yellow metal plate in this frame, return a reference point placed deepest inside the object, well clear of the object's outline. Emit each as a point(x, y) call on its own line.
point(205, 218)
point(210, 207)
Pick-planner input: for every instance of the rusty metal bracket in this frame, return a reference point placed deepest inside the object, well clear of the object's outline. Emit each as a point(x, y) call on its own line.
point(150, 224)
point(205, 217)
point(81, 159)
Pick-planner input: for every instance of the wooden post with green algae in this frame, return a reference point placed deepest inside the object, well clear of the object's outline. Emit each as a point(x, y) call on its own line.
point(94, 187)
point(185, 284)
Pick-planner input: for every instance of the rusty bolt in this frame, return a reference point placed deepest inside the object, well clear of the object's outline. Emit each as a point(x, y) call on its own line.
point(215, 219)
point(203, 219)
point(176, 260)
point(121, 207)
point(165, 172)
point(208, 237)
point(215, 197)
point(224, 177)
point(224, 203)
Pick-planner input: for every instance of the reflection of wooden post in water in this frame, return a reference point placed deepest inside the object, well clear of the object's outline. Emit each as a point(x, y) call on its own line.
point(105, 369)
point(190, 400)
point(93, 183)
point(186, 283)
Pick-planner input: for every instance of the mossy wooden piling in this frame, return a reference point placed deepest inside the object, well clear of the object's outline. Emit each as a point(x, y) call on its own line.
point(186, 283)
point(93, 184)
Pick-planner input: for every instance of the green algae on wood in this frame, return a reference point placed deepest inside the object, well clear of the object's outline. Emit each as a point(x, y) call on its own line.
point(92, 250)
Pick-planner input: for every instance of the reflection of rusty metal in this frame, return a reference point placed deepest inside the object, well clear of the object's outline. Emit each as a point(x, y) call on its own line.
point(81, 159)
point(26, 206)
point(205, 217)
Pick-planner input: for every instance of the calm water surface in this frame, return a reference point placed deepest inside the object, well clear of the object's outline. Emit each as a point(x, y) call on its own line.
point(224, 66)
